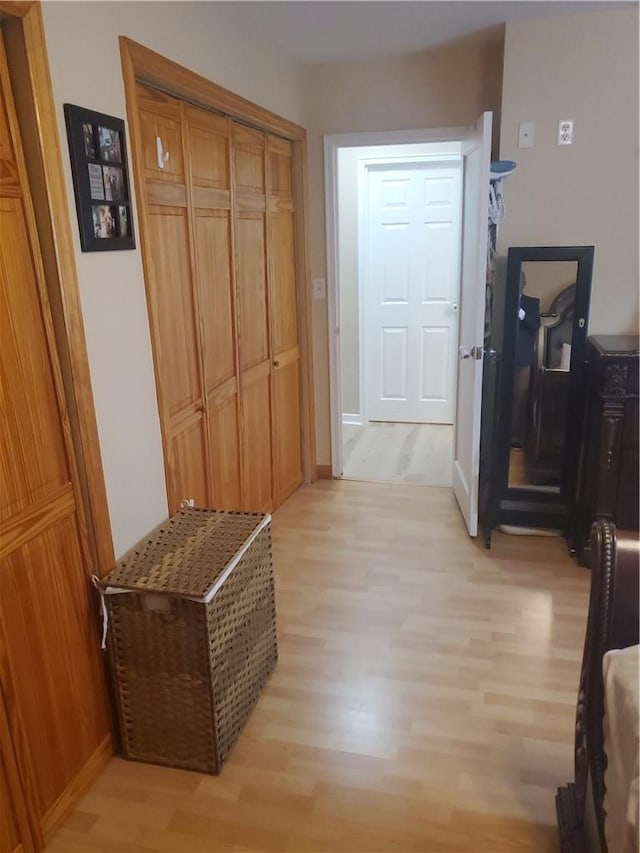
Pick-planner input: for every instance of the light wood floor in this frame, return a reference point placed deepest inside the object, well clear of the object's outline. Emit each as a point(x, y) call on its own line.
point(421, 454)
point(423, 701)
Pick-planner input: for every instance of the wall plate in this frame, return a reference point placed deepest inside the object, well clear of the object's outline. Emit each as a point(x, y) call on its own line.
point(565, 132)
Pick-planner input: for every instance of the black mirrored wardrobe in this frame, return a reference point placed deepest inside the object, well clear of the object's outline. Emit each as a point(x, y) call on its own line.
point(533, 388)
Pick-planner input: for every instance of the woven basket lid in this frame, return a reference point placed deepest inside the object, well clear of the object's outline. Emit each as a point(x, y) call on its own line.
point(187, 555)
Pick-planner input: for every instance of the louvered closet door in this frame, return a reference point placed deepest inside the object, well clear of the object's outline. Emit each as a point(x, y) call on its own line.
point(253, 319)
point(50, 668)
point(209, 154)
point(285, 381)
point(172, 301)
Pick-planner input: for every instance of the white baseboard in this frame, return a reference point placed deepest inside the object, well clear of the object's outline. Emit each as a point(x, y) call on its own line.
point(354, 420)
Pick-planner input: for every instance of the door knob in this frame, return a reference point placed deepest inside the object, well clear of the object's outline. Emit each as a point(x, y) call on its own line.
point(464, 352)
point(454, 307)
point(276, 363)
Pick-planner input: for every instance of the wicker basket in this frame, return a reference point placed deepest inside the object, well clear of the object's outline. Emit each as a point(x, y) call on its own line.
point(191, 636)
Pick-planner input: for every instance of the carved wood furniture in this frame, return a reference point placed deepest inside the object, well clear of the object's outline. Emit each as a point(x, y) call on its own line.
point(608, 469)
point(612, 624)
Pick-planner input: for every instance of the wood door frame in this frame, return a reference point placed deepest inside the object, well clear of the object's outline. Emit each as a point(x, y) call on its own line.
point(143, 65)
point(332, 142)
point(33, 93)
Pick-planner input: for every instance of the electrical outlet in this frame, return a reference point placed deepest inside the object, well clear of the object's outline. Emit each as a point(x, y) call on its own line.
point(526, 134)
point(319, 288)
point(565, 132)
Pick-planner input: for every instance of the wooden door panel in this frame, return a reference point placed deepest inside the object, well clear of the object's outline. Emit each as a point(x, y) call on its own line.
point(287, 438)
point(213, 248)
point(283, 310)
point(248, 157)
point(50, 675)
point(279, 154)
point(284, 313)
point(208, 144)
point(256, 436)
point(33, 462)
point(253, 334)
point(173, 299)
point(9, 177)
point(160, 116)
point(10, 836)
point(49, 664)
point(15, 830)
point(189, 464)
point(224, 441)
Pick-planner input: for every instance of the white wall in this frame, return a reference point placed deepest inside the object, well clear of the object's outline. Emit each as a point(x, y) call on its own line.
point(585, 68)
point(349, 160)
point(82, 41)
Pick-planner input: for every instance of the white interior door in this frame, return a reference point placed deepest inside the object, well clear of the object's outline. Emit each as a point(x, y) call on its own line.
point(411, 291)
point(476, 150)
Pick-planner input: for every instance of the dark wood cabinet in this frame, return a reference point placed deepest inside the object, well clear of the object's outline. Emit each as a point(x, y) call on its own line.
point(608, 470)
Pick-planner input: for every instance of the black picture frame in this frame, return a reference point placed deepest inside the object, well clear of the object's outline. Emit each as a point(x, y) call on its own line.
point(100, 169)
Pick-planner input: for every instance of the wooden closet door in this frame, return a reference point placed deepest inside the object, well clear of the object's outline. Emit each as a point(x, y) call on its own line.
point(209, 155)
point(253, 319)
point(173, 309)
point(15, 832)
point(50, 668)
point(283, 312)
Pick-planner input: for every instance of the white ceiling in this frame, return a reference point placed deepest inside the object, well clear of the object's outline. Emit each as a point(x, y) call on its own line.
point(333, 30)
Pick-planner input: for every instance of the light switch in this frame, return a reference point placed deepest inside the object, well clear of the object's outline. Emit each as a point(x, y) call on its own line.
point(526, 134)
point(319, 288)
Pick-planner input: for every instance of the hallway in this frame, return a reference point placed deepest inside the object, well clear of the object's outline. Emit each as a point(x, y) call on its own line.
point(420, 454)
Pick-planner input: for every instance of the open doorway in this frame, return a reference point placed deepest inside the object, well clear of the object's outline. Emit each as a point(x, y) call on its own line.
point(398, 265)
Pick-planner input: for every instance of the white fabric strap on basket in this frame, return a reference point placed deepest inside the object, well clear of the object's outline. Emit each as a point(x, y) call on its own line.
point(205, 599)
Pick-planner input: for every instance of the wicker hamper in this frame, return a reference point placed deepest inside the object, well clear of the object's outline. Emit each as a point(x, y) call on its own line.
point(191, 635)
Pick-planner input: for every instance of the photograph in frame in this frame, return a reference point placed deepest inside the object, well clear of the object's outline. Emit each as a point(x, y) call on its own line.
point(109, 144)
point(100, 170)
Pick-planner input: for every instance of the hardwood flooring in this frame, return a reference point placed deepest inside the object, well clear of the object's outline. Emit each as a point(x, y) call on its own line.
point(423, 701)
point(421, 454)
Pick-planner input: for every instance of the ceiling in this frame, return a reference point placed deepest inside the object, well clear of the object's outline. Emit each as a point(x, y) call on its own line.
point(334, 30)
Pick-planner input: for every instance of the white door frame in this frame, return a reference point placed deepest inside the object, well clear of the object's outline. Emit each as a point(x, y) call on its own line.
point(332, 143)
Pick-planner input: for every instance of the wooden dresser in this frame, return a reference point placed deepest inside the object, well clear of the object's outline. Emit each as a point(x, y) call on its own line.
point(607, 484)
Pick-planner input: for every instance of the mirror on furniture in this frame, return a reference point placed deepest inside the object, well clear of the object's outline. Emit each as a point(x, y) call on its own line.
point(538, 341)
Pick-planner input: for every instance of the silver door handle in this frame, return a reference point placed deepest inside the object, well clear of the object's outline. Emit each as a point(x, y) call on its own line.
point(454, 307)
point(464, 352)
